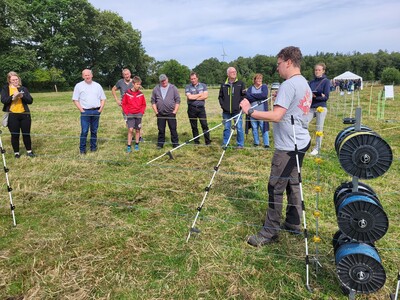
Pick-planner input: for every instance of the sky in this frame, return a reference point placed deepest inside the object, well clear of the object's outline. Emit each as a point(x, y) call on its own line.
point(191, 31)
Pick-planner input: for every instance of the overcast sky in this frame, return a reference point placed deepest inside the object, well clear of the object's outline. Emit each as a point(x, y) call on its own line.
point(192, 31)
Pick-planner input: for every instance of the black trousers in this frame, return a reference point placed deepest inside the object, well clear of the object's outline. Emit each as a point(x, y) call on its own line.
point(162, 121)
point(198, 112)
point(17, 123)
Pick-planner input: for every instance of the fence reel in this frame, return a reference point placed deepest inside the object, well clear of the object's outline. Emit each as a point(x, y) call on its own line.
point(360, 214)
point(363, 153)
point(358, 265)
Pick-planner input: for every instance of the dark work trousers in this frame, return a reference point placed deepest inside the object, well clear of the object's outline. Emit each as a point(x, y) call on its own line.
point(20, 122)
point(284, 177)
point(162, 120)
point(198, 112)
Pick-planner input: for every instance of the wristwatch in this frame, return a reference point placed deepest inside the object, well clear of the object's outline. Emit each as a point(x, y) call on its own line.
point(250, 111)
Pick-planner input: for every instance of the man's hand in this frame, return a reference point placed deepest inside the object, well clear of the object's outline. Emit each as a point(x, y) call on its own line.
point(245, 105)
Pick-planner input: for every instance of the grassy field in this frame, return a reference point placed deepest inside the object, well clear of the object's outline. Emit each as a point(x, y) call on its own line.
point(109, 226)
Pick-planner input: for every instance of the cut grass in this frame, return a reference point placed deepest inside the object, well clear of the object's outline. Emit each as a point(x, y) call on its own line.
point(109, 226)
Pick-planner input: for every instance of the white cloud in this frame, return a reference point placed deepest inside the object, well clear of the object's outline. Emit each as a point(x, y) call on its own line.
point(191, 31)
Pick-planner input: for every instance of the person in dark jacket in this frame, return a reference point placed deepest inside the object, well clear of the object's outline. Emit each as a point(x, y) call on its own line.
point(16, 98)
point(231, 93)
point(320, 88)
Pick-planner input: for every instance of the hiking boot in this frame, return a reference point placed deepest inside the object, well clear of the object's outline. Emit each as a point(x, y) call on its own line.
point(290, 230)
point(259, 240)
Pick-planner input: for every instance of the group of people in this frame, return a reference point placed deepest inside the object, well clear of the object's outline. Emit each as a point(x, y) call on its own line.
point(296, 103)
point(89, 98)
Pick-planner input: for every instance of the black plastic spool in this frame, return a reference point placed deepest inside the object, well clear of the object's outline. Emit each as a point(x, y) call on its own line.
point(361, 217)
point(365, 155)
point(345, 132)
point(359, 267)
point(347, 187)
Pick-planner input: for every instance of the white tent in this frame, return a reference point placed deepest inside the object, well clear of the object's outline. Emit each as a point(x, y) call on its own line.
point(349, 75)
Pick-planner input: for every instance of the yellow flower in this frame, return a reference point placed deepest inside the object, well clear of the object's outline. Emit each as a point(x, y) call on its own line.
point(319, 133)
point(318, 160)
point(317, 213)
point(318, 189)
point(316, 239)
point(320, 109)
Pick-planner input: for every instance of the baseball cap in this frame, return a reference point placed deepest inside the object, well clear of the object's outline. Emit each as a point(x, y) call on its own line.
point(163, 77)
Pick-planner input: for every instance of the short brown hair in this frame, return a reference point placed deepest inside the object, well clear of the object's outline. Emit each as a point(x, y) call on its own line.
point(292, 53)
point(321, 64)
point(136, 79)
point(257, 75)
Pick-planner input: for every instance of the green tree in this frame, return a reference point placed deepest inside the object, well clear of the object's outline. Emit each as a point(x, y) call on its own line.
point(211, 71)
point(14, 30)
point(390, 76)
point(177, 74)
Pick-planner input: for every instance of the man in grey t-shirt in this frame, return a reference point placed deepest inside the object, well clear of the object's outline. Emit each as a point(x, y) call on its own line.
point(293, 99)
point(197, 94)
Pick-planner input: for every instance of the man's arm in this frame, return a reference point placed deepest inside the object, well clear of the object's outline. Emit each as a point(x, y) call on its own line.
point(78, 105)
point(154, 106)
point(201, 96)
point(274, 115)
point(114, 93)
point(102, 103)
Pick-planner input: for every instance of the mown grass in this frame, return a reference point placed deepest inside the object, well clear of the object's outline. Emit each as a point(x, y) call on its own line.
point(109, 226)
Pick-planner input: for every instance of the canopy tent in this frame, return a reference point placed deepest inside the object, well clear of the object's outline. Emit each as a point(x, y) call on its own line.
point(349, 76)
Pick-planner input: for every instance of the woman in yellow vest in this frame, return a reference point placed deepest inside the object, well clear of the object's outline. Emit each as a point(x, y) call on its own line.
point(16, 98)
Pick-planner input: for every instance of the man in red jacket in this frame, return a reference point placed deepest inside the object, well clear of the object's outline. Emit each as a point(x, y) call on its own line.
point(134, 106)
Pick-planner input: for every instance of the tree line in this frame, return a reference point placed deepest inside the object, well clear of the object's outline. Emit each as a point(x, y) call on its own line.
point(49, 43)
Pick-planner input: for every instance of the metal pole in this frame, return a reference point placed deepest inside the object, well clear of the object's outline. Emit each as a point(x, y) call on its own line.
point(207, 189)
point(9, 189)
point(303, 208)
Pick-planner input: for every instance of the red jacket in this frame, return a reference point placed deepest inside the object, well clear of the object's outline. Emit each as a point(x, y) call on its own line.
point(133, 102)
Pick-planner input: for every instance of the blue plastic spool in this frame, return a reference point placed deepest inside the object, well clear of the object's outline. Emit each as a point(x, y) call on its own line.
point(359, 267)
point(362, 218)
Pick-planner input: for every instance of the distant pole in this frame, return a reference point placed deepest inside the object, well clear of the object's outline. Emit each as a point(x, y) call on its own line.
point(378, 109)
point(370, 100)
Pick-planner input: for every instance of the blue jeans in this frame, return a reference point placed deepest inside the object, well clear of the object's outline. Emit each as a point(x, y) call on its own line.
point(255, 124)
point(89, 120)
point(227, 129)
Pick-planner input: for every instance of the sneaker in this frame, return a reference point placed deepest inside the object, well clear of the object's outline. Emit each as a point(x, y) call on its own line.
point(82, 152)
point(314, 152)
point(290, 230)
point(239, 147)
point(141, 139)
point(256, 145)
point(30, 154)
point(17, 155)
point(136, 147)
point(266, 146)
point(259, 240)
point(159, 147)
point(128, 149)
